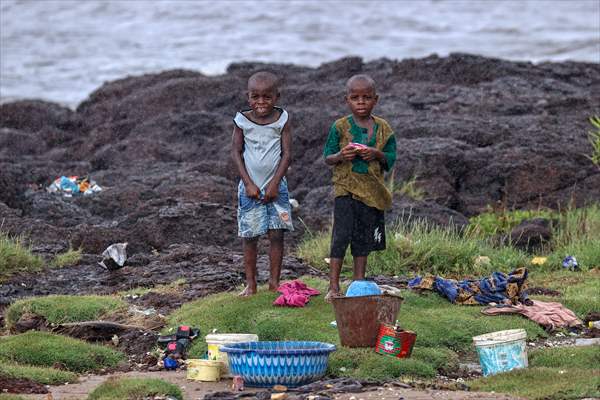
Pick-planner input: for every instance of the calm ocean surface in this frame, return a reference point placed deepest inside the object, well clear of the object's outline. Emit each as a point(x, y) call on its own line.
point(61, 50)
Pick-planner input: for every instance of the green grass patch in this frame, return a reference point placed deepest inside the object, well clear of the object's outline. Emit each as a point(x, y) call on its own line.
point(15, 257)
point(8, 396)
point(496, 221)
point(134, 389)
point(64, 308)
point(43, 375)
point(443, 329)
point(44, 349)
point(420, 247)
point(566, 357)
point(543, 383)
point(579, 289)
point(66, 259)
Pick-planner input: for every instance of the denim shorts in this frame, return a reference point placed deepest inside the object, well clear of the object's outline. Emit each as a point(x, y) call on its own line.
point(256, 218)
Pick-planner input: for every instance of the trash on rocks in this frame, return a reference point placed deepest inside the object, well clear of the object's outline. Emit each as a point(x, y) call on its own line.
point(177, 346)
point(539, 260)
point(74, 185)
point(114, 256)
point(294, 203)
point(570, 263)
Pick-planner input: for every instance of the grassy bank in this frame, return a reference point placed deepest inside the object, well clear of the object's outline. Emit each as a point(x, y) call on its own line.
point(62, 309)
point(15, 256)
point(43, 375)
point(45, 349)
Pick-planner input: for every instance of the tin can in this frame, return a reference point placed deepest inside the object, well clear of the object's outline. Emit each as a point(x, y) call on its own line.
point(394, 341)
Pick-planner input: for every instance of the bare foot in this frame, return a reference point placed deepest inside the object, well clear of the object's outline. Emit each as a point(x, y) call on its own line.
point(248, 291)
point(331, 294)
point(273, 286)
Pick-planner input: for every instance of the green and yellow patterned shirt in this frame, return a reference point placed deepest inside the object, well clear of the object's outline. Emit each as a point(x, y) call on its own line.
point(359, 178)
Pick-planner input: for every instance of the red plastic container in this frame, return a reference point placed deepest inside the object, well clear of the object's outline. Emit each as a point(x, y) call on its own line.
point(395, 342)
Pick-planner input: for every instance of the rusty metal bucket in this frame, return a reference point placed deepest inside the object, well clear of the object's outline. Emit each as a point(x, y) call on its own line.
point(358, 318)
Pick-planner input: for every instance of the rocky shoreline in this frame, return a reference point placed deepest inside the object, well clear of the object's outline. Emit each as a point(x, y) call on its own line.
point(472, 131)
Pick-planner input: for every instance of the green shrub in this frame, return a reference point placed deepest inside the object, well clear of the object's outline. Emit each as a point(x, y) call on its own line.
point(63, 308)
point(134, 389)
point(66, 259)
point(502, 221)
point(44, 349)
point(594, 138)
point(15, 256)
point(43, 375)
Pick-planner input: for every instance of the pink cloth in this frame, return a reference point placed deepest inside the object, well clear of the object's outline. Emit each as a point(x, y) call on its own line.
point(549, 315)
point(294, 294)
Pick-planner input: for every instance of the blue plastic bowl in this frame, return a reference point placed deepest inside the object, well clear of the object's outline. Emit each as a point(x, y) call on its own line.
point(265, 364)
point(363, 288)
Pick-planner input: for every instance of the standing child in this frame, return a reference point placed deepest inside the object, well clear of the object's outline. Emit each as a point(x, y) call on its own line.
point(360, 147)
point(261, 151)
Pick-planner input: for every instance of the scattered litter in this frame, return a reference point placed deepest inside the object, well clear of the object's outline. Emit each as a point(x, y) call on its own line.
point(177, 346)
point(294, 203)
point(143, 311)
point(327, 260)
point(539, 260)
point(587, 342)
point(70, 186)
point(114, 256)
point(237, 383)
point(482, 262)
point(570, 263)
point(333, 323)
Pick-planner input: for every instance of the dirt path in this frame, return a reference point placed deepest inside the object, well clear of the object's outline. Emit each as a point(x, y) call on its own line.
point(383, 393)
point(197, 390)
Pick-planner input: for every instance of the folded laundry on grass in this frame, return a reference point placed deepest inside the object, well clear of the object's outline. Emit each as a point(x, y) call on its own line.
point(499, 288)
point(294, 294)
point(550, 315)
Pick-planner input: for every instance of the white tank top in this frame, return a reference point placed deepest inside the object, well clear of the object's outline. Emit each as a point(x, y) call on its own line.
point(262, 147)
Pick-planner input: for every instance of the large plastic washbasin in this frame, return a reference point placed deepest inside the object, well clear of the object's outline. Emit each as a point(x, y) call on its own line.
point(264, 364)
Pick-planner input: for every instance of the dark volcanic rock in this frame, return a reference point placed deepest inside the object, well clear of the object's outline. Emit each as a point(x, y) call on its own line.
point(530, 235)
point(471, 131)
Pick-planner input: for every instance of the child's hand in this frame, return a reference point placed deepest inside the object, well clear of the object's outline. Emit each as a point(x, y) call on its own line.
point(253, 191)
point(271, 192)
point(349, 152)
point(368, 153)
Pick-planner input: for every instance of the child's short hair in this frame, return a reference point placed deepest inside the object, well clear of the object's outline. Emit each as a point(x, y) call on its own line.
point(363, 78)
point(265, 77)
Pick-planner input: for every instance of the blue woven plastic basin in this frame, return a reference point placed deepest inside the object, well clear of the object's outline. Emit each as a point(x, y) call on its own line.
point(264, 364)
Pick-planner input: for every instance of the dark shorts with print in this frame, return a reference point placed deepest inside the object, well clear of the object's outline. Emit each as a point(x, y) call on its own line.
point(358, 225)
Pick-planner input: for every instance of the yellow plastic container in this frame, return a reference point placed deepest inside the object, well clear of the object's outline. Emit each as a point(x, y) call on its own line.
point(204, 370)
point(216, 340)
